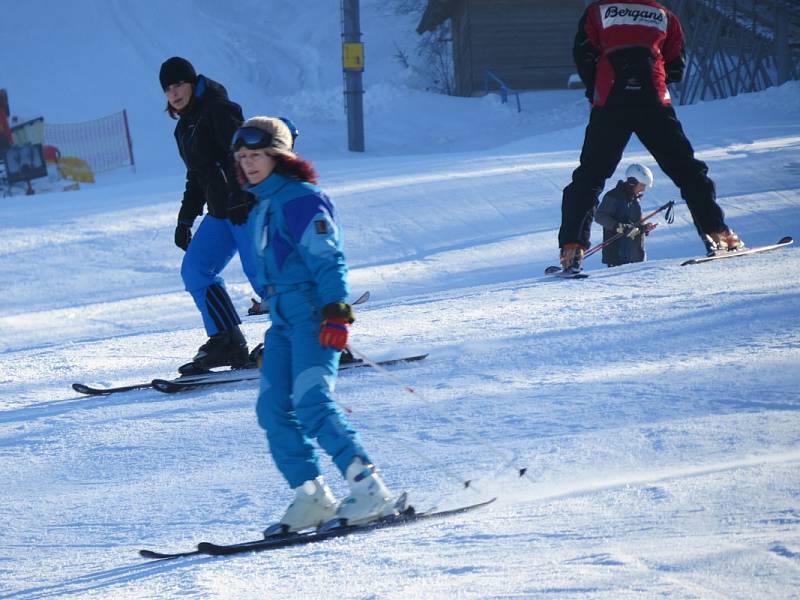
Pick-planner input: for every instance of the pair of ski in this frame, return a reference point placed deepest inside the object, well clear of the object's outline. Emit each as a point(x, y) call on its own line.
point(210, 378)
point(406, 516)
point(784, 241)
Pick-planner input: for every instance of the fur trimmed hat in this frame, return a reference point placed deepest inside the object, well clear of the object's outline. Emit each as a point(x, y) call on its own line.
point(282, 139)
point(175, 70)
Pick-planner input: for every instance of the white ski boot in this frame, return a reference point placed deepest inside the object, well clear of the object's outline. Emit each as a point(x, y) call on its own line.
point(369, 497)
point(313, 505)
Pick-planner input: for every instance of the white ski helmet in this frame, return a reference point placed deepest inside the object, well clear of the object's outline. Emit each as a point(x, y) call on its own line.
point(640, 173)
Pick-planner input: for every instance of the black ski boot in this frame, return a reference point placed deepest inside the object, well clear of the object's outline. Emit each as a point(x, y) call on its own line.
point(223, 349)
point(347, 357)
point(254, 361)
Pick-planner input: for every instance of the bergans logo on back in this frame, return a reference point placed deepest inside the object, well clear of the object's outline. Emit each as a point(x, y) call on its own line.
point(633, 14)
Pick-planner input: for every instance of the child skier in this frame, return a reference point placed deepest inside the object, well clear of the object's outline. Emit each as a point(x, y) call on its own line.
point(620, 212)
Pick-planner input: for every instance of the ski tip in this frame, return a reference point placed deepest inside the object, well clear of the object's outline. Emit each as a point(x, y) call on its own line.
point(786, 240)
point(156, 555)
point(491, 500)
point(434, 511)
point(87, 390)
point(218, 550)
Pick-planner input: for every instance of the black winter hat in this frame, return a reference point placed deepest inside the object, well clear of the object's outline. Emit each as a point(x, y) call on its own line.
point(176, 69)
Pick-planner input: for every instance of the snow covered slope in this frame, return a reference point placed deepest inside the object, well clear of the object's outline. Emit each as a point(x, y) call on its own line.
point(85, 60)
point(654, 406)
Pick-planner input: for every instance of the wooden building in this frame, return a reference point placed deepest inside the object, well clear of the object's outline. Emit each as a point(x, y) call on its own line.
point(526, 43)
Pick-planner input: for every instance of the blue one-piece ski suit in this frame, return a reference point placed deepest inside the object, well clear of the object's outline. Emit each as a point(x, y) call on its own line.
point(301, 268)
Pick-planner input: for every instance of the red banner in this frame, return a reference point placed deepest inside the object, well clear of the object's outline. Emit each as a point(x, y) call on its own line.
point(5, 130)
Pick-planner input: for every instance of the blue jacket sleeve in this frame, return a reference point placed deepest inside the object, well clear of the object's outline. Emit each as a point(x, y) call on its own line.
point(311, 222)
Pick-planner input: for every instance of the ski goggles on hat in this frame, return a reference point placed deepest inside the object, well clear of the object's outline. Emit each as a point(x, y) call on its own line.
point(251, 138)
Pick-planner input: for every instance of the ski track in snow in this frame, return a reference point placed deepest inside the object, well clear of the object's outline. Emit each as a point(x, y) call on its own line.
point(653, 406)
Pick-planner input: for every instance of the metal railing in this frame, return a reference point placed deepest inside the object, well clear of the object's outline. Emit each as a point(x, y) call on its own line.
point(491, 77)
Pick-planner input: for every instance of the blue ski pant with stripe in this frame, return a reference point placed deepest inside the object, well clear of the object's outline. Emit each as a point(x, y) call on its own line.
point(295, 403)
point(213, 246)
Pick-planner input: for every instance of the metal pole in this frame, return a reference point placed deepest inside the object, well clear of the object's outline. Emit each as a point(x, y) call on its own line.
point(128, 135)
point(782, 54)
point(353, 66)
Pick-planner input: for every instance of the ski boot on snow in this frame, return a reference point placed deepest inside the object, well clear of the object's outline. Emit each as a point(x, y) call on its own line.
point(347, 357)
point(572, 258)
point(722, 241)
point(313, 505)
point(369, 497)
point(258, 307)
point(256, 357)
point(224, 349)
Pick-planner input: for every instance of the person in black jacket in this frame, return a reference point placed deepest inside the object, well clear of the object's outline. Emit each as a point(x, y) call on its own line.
point(207, 120)
point(621, 213)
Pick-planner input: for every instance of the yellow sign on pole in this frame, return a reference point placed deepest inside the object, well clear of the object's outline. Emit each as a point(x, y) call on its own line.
point(353, 56)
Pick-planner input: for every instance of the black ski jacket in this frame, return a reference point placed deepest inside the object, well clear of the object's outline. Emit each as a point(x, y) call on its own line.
point(203, 134)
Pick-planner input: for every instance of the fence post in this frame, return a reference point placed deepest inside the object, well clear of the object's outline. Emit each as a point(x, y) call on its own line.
point(128, 135)
point(783, 57)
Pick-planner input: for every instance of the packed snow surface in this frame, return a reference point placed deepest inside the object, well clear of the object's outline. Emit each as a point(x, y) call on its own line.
point(653, 406)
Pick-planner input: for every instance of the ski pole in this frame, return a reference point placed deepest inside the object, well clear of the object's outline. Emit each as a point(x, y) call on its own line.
point(668, 216)
point(467, 484)
point(411, 390)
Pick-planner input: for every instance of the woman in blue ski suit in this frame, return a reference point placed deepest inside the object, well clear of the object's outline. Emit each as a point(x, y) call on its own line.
point(206, 121)
point(302, 271)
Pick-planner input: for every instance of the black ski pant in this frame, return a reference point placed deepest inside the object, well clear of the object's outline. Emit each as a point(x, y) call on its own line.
point(608, 132)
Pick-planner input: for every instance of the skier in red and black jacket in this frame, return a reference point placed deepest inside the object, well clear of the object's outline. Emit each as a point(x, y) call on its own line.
point(626, 52)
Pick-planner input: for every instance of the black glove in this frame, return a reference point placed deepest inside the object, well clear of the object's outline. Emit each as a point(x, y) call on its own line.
point(183, 235)
point(238, 213)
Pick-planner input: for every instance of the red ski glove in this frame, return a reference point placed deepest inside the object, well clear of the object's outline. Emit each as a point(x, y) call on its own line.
point(334, 333)
point(337, 317)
